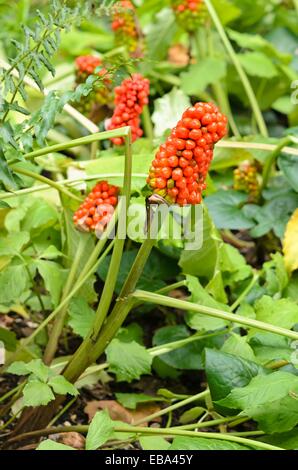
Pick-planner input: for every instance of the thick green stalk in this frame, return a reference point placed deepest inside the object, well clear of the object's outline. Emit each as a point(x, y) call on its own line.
point(271, 159)
point(47, 181)
point(111, 279)
point(212, 312)
point(242, 75)
point(58, 325)
point(139, 431)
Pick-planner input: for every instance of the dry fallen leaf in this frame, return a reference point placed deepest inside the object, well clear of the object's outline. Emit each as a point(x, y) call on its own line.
point(178, 55)
point(117, 412)
point(290, 243)
point(72, 439)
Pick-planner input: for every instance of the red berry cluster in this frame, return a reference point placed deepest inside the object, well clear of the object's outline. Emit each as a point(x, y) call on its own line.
point(101, 93)
point(178, 172)
point(96, 211)
point(126, 28)
point(190, 14)
point(130, 98)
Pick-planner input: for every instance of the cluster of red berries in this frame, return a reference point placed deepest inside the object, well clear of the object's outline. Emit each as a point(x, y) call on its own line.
point(127, 29)
point(190, 14)
point(130, 98)
point(178, 172)
point(246, 179)
point(96, 211)
point(101, 93)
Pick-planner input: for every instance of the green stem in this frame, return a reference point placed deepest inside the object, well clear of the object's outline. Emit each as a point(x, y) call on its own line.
point(49, 182)
point(212, 312)
point(242, 75)
point(147, 123)
point(139, 431)
point(111, 279)
point(58, 325)
point(198, 397)
point(206, 424)
point(245, 292)
point(64, 409)
point(271, 159)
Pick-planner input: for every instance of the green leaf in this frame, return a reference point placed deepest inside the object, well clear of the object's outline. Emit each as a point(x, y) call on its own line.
point(258, 64)
point(238, 346)
point(132, 400)
point(39, 369)
point(100, 430)
point(37, 393)
point(14, 281)
point(160, 33)
point(48, 444)
point(185, 358)
point(81, 316)
point(8, 338)
point(286, 440)
point(13, 243)
point(18, 368)
point(269, 347)
point(201, 443)
point(225, 209)
point(128, 360)
point(226, 371)
point(61, 386)
point(51, 273)
point(288, 164)
point(168, 110)
point(154, 443)
point(282, 312)
point(199, 76)
point(8, 180)
point(40, 216)
point(199, 321)
point(270, 400)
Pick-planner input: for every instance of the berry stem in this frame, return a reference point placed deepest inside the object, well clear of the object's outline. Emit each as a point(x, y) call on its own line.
point(271, 159)
point(47, 181)
point(242, 75)
point(189, 306)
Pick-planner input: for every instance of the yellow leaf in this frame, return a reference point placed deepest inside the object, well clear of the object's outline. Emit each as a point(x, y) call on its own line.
point(290, 243)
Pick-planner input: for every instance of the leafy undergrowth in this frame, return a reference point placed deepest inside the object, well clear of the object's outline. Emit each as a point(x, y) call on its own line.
point(130, 341)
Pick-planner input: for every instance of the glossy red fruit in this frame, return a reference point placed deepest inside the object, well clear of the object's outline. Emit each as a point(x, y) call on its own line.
point(130, 98)
point(96, 211)
point(181, 164)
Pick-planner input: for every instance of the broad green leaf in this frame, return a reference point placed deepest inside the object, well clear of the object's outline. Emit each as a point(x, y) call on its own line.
point(268, 347)
point(285, 440)
point(18, 368)
point(100, 430)
point(270, 400)
point(290, 243)
point(131, 332)
point(168, 110)
point(160, 33)
point(61, 386)
point(51, 273)
point(282, 312)
point(37, 393)
point(154, 443)
point(276, 275)
point(238, 346)
point(226, 10)
point(201, 443)
point(13, 243)
point(132, 400)
point(225, 209)
point(48, 444)
point(200, 75)
point(81, 316)
point(40, 216)
point(199, 321)
point(288, 164)
point(226, 371)
point(128, 360)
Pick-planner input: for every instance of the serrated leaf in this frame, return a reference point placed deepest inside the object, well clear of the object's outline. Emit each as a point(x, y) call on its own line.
point(290, 243)
point(128, 360)
point(37, 393)
point(281, 312)
point(100, 430)
point(18, 368)
point(61, 386)
point(39, 369)
point(258, 64)
point(81, 316)
point(199, 76)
